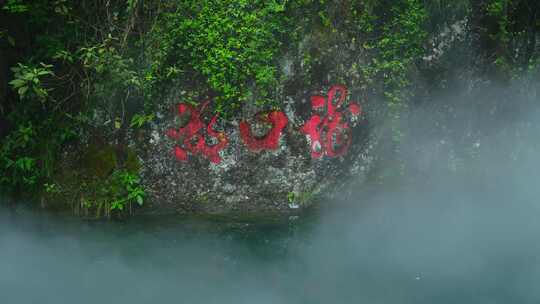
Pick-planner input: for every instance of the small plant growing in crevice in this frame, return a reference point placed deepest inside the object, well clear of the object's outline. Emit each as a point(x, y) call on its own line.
point(111, 197)
point(139, 120)
point(129, 190)
point(299, 198)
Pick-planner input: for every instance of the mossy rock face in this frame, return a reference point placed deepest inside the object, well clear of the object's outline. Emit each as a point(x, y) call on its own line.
point(132, 163)
point(99, 161)
point(87, 180)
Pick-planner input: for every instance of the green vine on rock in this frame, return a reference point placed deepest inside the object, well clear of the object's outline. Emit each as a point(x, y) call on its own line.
point(228, 47)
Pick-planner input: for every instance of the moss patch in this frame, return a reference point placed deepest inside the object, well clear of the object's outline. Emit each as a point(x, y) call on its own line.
point(99, 161)
point(89, 180)
point(132, 164)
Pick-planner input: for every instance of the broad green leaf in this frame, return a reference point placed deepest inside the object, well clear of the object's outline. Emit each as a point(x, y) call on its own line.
point(17, 83)
point(22, 90)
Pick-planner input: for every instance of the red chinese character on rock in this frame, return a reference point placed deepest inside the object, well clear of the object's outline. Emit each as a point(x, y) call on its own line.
point(270, 141)
point(330, 134)
point(192, 139)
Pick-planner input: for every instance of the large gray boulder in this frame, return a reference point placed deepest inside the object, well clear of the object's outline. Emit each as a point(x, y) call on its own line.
point(268, 161)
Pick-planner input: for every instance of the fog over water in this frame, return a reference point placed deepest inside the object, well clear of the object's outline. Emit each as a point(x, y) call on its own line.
point(462, 227)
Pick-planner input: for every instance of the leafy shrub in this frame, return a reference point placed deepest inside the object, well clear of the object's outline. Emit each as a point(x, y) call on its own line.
point(28, 80)
point(126, 189)
point(229, 47)
point(16, 160)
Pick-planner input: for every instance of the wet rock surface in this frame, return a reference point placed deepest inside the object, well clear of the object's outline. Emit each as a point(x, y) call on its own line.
point(244, 179)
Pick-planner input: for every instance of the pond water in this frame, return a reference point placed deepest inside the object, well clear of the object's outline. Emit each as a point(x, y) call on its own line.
point(463, 244)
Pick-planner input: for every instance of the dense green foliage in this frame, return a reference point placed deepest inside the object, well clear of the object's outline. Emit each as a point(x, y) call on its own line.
point(511, 35)
point(401, 42)
point(79, 65)
point(229, 48)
